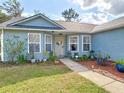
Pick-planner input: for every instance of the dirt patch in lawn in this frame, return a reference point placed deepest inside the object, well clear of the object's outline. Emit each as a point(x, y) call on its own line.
point(108, 70)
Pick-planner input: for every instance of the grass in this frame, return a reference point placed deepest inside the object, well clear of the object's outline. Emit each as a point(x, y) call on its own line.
point(44, 78)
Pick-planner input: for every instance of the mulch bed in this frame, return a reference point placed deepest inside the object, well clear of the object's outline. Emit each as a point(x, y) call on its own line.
point(108, 70)
point(29, 63)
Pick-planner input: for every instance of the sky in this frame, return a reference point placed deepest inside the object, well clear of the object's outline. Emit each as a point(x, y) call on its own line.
point(90, 11)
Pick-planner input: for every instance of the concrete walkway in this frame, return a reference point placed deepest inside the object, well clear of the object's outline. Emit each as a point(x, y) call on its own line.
point(107, 83)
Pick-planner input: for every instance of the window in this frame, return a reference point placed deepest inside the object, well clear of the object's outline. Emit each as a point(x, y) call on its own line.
point(86, 43)
point(48, 43)
point(73, 43)
point(34, 42)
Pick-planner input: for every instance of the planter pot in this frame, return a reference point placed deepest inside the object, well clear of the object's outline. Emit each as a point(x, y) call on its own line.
point(57, 62)
point(33, 61)
point(44, 60)
point(17, 63)
point(120, 67)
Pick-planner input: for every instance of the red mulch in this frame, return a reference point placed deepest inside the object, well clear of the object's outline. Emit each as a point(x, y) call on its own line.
point(110, 67)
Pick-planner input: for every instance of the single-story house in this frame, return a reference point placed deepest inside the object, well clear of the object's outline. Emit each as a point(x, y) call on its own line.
point(43, 34)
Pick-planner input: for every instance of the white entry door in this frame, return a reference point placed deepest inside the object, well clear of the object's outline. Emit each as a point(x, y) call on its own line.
point(59, 46)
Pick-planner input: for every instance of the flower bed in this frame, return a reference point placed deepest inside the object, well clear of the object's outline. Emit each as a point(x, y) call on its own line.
point(108, 70)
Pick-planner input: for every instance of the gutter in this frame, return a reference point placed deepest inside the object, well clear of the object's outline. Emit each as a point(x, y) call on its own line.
point(48, 30)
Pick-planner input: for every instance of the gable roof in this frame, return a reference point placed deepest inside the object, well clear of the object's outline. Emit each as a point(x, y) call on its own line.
point(19, 23)
point(114, 24)
point(66, 26)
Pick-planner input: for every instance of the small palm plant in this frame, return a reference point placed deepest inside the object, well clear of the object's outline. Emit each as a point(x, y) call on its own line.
point(52, 57)
point(102, 60)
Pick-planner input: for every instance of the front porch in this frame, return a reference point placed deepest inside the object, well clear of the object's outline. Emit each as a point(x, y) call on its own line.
point(65, 45)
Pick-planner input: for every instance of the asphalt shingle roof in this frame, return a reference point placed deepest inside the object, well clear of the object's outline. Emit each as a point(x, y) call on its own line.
point(78, 27)
point(69, 26)
point(114, 24)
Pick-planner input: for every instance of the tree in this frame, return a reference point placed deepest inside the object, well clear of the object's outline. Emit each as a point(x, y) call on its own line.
point(12, 7)
point(4, 17)
point(38, 12)
point(70, 15)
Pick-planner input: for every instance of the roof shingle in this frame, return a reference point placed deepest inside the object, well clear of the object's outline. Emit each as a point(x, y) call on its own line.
point(78, 27)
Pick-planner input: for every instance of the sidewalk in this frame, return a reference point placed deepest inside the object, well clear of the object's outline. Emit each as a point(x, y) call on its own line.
point(105, 82)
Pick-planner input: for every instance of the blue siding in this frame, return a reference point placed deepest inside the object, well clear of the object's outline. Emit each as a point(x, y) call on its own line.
point(14, 36)
point(22, 36)
point(111, 42)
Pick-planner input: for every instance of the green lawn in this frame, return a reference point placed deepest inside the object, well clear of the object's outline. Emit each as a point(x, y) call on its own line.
point(43, 78)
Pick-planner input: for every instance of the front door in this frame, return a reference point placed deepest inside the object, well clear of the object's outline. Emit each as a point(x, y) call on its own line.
point(59, 46)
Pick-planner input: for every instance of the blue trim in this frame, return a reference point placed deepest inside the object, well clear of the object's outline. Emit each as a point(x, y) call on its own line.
point(36, 27)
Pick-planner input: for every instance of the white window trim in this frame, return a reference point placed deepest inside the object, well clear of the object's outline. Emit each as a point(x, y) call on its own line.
point(35, 42)
point(48, 43)
point(74, 43)
point(2, 46)
point(86, 43)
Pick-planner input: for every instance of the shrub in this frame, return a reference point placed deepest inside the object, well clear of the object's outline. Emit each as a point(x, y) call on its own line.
point(83, 58)
point(21, 59)
point(52, 57)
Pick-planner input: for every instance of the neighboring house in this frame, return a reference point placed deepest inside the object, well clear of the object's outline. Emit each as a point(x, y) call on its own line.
point(43, 34)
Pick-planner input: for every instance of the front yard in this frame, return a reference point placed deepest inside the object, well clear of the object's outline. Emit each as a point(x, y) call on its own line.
point(43, 78)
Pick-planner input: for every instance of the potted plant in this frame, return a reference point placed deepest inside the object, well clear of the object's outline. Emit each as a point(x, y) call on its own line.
point(83, 58)
point(76, 56)
point(120, 65)
point(33, 60)
point(92, 55)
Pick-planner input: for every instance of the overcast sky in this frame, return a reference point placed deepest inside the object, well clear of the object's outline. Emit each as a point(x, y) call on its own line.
point(91, 11)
